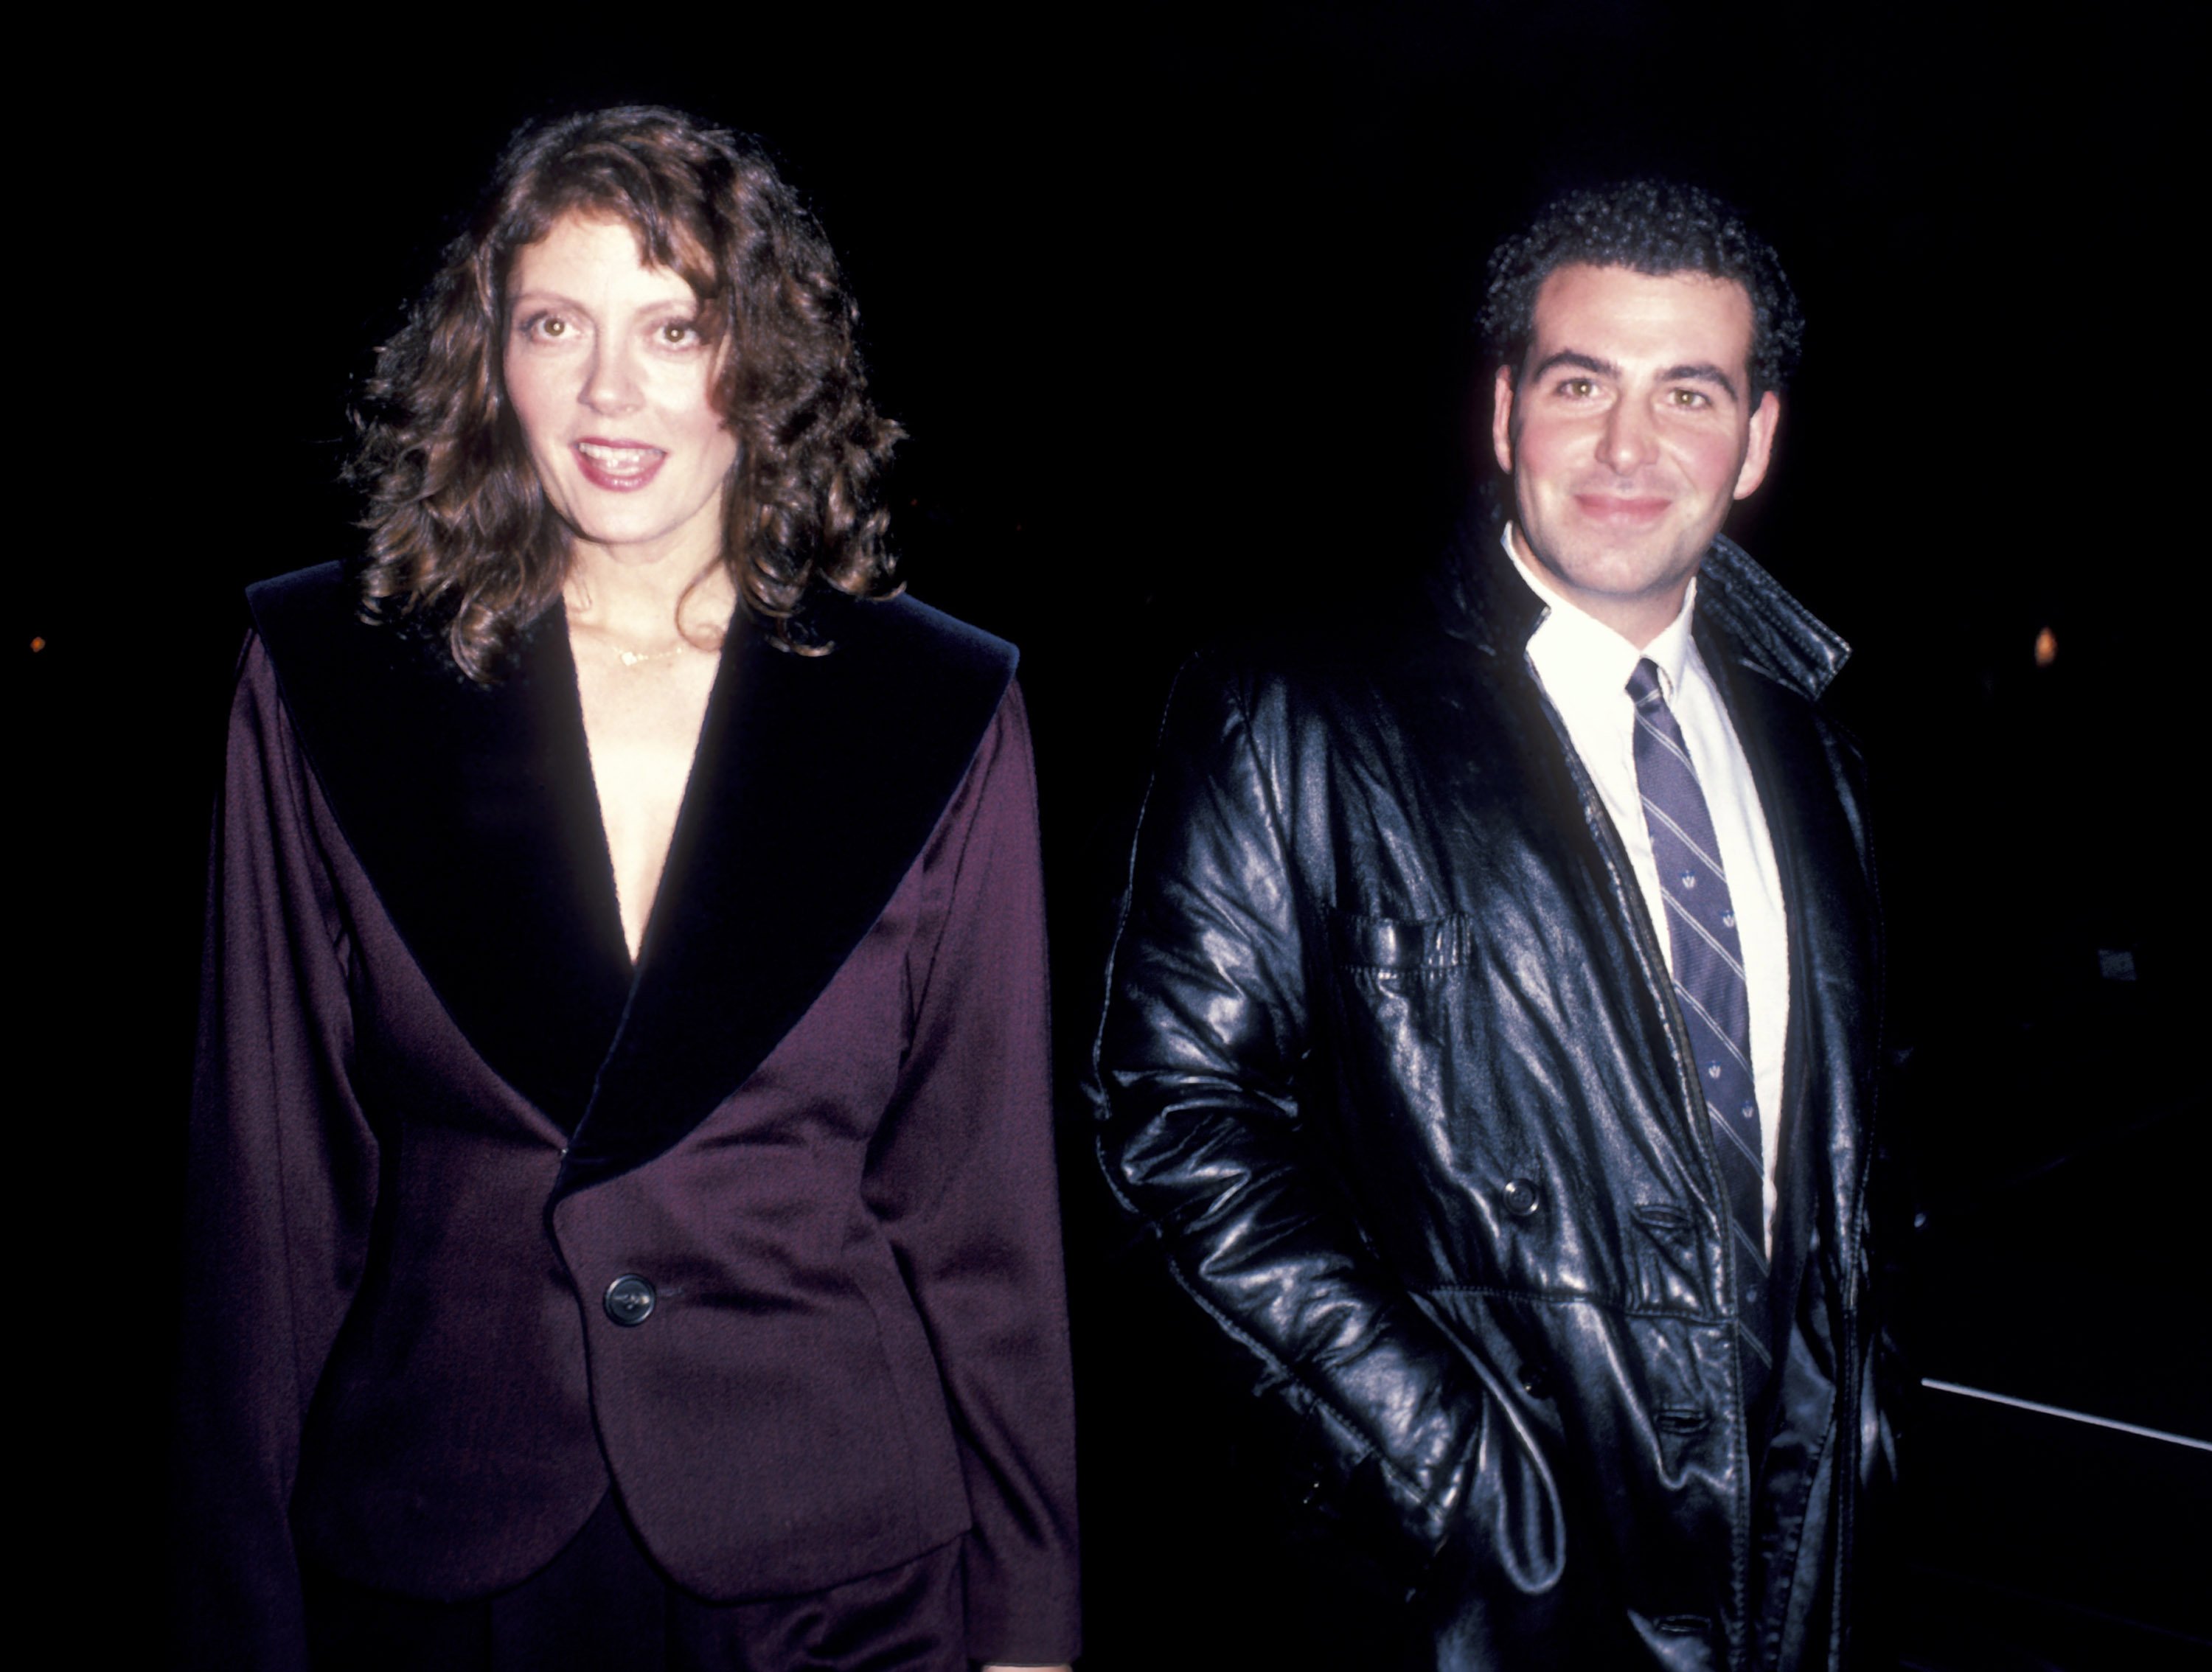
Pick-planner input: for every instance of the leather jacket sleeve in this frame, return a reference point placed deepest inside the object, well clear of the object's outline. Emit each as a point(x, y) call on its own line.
point(1207, 1130)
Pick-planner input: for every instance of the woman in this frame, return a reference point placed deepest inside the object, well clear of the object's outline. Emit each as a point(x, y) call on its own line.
point(622, 1227)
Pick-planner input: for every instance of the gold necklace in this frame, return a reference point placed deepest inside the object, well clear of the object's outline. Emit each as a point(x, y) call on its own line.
point(638, 658)
point(627, 658)
point(633, 657)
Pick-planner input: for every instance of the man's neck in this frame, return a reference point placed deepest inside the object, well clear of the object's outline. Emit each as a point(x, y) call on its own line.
point(1651, 621)
point(1640, 620)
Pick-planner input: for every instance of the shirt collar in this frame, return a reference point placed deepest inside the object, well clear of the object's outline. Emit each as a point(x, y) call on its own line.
point(1571, 644)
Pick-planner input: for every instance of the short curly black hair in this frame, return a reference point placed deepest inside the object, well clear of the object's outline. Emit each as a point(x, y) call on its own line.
point(1651, 226)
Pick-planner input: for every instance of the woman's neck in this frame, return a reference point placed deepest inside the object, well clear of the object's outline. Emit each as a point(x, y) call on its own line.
point(648, 607)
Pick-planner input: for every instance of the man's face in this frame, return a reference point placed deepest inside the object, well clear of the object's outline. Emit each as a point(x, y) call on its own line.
point(1629, 432)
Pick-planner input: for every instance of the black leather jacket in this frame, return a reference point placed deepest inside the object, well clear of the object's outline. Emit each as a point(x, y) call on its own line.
point(1391, 1064)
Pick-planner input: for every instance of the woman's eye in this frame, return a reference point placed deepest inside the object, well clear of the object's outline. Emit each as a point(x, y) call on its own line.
point(678, 335)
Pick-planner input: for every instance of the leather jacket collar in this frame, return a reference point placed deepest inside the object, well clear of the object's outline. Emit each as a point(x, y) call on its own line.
point(1768, 630)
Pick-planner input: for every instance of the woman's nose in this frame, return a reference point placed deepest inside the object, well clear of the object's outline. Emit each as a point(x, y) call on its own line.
point(610, 381)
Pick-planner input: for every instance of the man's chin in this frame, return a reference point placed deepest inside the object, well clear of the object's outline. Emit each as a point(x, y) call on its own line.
point(1622, 570)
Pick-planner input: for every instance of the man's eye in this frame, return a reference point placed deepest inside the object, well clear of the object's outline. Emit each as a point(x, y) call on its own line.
point(1692, 398)
point(1578, 388)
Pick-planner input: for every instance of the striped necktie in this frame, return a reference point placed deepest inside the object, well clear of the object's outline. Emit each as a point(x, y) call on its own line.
point(1710, 991)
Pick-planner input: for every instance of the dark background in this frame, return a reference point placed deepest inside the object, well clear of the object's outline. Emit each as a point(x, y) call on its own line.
point(1176, 310)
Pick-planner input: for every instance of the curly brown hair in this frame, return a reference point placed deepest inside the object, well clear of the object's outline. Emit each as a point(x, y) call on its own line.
point(462, 538)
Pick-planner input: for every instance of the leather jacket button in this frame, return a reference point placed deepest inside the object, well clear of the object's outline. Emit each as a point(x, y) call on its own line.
point(1521, 1198)
point(629, 1300)
point(1534, 1383)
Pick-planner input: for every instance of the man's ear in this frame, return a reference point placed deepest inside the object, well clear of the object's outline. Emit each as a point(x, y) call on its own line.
point(1759, 446)
point(1501, 418)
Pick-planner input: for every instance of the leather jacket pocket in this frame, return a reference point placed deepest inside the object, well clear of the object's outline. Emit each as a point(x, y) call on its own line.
point(1668, 1260)
point(1361, 942)
point(1401, 1005)
point(1461, 1189)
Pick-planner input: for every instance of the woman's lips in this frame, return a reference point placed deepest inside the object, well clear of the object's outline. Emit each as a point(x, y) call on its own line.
point(622, 467)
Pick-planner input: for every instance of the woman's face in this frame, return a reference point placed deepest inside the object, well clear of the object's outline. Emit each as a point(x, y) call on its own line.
point(612, 382)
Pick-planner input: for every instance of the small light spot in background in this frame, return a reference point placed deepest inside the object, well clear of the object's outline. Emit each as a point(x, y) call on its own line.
point(38, 643)
point(2115, 965)
point(2046, 648)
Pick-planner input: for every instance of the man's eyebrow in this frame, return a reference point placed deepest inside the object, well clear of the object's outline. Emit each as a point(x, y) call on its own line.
point(1579, 361)
point(1702, 371)
point(1699, 371)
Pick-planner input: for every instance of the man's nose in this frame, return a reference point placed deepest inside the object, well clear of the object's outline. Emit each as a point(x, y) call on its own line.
point(1628, 440)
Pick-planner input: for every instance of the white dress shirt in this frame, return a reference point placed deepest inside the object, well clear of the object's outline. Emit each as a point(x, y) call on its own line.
point(1584, 666)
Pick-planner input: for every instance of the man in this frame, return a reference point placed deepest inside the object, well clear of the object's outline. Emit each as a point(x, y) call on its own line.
point(1491, 1037)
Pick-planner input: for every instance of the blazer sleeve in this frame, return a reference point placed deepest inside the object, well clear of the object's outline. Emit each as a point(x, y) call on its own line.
point(1202, 1063)
point(281, 1181)
point(961, 1177)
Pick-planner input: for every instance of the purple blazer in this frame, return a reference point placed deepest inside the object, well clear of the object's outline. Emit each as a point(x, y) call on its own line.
point(445, 1146)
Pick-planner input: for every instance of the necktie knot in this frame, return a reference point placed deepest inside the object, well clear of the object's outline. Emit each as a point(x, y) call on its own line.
point(1643, 684)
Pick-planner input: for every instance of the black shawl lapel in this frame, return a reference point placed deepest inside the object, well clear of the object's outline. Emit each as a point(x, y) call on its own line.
point(471, 810)
point(817, 782)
